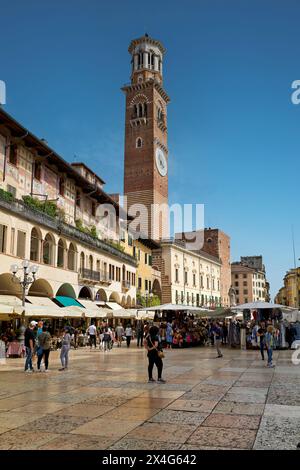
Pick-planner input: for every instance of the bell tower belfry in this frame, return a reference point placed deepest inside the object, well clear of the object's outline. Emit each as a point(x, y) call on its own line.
point(146, 137)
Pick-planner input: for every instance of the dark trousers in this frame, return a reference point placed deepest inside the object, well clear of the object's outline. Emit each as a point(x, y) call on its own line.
point(140, 338)
point(154, 358)
point(45, 355)
point(28, 362)
point(128, 340)
point(262, 347)
point(93, 341)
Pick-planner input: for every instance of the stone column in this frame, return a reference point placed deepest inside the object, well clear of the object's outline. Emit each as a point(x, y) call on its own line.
point(156, 63)
point(145, 60)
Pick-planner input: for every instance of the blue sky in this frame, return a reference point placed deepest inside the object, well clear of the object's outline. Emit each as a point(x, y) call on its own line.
point(233, 131)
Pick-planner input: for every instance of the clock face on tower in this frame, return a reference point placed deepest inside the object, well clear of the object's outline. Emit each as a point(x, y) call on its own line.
point(161, 162)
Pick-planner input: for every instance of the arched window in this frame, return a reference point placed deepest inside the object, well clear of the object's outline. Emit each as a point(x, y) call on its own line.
point(48, 246)
point(139, 143)
point(81, 261)
point(61, 247)
point(72, 257)
point(35, 243)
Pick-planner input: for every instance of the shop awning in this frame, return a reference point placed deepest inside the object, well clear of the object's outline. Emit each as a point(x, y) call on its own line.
point(73, 311)
point(10, 300)
point(42, 311)
point(6, 309)
point(124, 313)
point(67, 301)
point(113, 305)
point(142, 315)
point(41, 301)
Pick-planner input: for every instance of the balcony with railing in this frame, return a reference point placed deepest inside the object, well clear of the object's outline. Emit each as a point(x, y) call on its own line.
point(98, 277)
point(125, 286)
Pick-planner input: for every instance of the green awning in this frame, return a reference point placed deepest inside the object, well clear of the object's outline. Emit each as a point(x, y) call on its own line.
point(67, 301)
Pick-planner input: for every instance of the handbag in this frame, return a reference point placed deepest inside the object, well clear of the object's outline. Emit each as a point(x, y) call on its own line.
point(159, 353)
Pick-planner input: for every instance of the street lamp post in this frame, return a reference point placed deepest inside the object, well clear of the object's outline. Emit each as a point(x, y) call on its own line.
point(26, 279)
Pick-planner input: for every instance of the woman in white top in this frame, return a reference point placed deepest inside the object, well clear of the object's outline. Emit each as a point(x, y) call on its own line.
point(128, 334)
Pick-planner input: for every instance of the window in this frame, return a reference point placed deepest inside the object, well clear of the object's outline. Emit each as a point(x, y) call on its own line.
point(185, 277)
point(139, 283)
point(21, 241)
point(146, 284)
point(139, 143)
point(236, 284)
point(78, 198)
point(35, 245)
point(12, 241)
point(202, 283)
point(61, 186)
point(150, 285)
point(3, 232)
point(146, 258)
point(207, 282)
point(176, 275)
point(245, 283)
point(245, 291)
point(93, 209)
point(13, 155)
point(72, 258)
point(123, 236)
point(194, 280)
point(82, 263)
point(130, 241)
point(245, 276)
point(37, 171)
point(60, 254)
point(150, 260)
point(246, 300)
point(236, 276)
point(213, 284)
point(48, 249)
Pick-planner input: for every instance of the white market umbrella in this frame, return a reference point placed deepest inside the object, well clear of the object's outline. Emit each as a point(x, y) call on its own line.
point(259, 306)
point(176, 307)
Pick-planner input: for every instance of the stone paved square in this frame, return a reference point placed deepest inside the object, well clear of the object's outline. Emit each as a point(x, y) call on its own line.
point(234, 406)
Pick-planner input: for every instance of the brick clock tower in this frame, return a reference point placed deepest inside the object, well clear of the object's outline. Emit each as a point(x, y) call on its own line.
point(146, 143)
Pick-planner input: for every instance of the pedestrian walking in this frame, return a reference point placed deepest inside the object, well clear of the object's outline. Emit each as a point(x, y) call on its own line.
point(43, 351)
point(128, 334)
point(261, 332)
point(140, 333)
point(119, 334)
point(65, 348)
point(224, 333)
point(29, 346)
point(269, 340)
point(216, 331)
point(106, 339)
point(169, 335)
point(92, 332)
point(155, 354)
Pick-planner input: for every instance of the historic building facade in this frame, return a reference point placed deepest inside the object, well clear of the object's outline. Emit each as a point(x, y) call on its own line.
point(58, 216)
point(187, 277)
point(289, 294)
point(248, 278)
